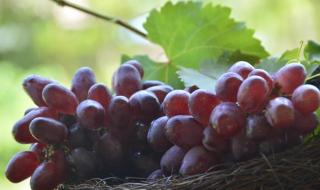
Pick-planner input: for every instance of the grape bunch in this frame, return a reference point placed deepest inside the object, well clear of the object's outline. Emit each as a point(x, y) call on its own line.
point(145, 128)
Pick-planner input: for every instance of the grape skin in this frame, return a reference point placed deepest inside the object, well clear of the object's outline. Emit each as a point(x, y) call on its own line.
point(101, 94)
point(90, 114)
point(160, 91)
point(227, 86)
point(176, 103)
point(306, 98)
point(265, 75)
point(151, 83)
point(84, 161)
point(243, 148)
point(305, 124)
point(120, 111)
point(258, 128)
point(137, 65)
point(213, 142)
point(156, 174)
point(83, 79)
point(171, 160)
point(156, 135)
point(242, 68)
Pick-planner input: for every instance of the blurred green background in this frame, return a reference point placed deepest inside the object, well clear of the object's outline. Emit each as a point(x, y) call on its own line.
point(39, 37)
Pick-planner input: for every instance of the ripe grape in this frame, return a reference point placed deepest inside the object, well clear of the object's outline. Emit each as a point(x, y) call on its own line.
point(160, 91)
point(227, 86)
point(265, 75)
point(39, 149)
point(290, 77)
point(20, 129)
point(60, 98)
point(126, 80)
point(197, 160)
point(184, 131)
point(151, 83)
point(280, 113)
point(242, 68)
point(48, 131)
point(90, 114)
point(228, 119)
point(83, 79)
point(68, 120)
point(176, 103)
point(156, 135)
point(84, 161)
point(171, 160)
point(258, 128)
point(306, 98)
point(101, 94)
point(201, 104)
point(243, 148)
point(78, 137)
point(305, 124)
point(29, 110)
point(156, 174)
point(34, 85)
point(21, 166)
point(120, 111)
point(137, 65)
point(144, 105)
point(212, 141)
point(252, 94)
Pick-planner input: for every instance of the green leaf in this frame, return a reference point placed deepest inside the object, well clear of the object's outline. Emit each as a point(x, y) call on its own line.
point(157, 71)
point(192, 77)
point(312, 51)
point(193, 35)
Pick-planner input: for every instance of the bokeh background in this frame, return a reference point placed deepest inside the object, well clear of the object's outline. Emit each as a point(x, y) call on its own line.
point(39, 37)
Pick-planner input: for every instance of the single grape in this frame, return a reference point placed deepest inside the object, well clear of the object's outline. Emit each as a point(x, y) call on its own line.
point(39, 149)
point(156, 135)
point(191, 89)
point(265, 75)
point(101, 94)
point(68, 120)
point(84, 162)
point(197, 160)
point(151, 83)
point(171, 160)
point(306, 98)
point(79, 137)
point(201, 104)
point(242, 68)
point(48, 131)
point(126, 80)
point(83, 79)
point(227, 119)
point(253, 94)
point(258, 128)
point(243, 148)
point(156, 174)
point(34, 85)
point(21, 166)
point(290, 77)
point(184, 131)
point(137, 65)
point(120, 111)
point(60, 98)
point(213, 142)
point(20, 129)
point(176, 103)
point(160, 91)
point(305, 124)
point(90, 114)
point(280, 113)
point(29, 110)
point(227, 86)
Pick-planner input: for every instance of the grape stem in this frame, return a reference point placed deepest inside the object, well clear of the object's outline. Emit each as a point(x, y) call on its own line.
point(104, 17)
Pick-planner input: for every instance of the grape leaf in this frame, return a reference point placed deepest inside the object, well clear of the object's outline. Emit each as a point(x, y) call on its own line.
point(157, 71)
point(312, 51)
point(192, 77)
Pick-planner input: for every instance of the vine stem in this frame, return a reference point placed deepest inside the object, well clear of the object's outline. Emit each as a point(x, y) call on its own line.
point(103, 17)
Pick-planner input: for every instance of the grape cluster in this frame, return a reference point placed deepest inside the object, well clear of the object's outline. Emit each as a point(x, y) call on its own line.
point(148, 129)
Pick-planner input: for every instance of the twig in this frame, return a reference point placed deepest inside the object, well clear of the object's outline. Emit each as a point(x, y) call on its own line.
point(104, 17)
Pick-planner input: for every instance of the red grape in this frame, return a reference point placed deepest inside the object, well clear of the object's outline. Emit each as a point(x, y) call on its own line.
point(34, 85)
point(258, 128)
point(21, 166)
point(242, 68)
point(228, 119)
point(39, 149)
point(160, 91)
point(176, 103)
point(79, 137)
point(227, 86)
point(20, 129)
point(306, 98)
point(280, 113)
point(252, 94)
point(156, 135)
point(156, 174)
point(60, 98)
point(265, 75)
point(197, 160)
point(305, 124)
point(126, 80)
point(290, 77)
point(48, 131)
point(90, 114)
point(84, 162)
point(184, 131)
point(243, 148)
point(83, 79)
point(145, 106)
point(212, 141)
point(120, 111)
point(101, 94)
point(201, 104)
point(151, 83)
point(137, 65)
point(172, 160)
